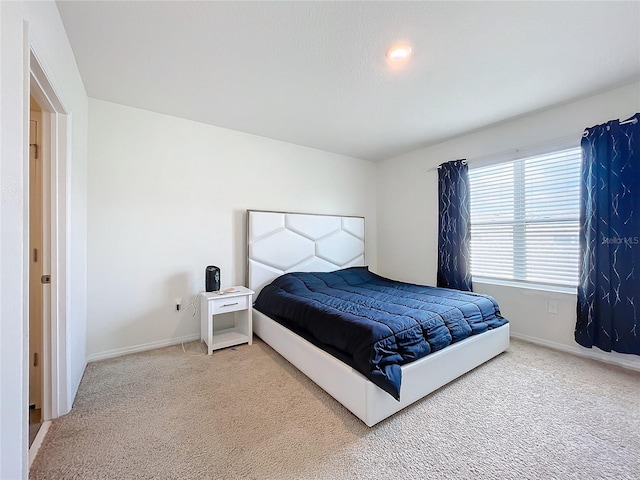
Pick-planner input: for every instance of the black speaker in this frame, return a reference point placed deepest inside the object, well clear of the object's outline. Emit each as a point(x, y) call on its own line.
point(212, 278)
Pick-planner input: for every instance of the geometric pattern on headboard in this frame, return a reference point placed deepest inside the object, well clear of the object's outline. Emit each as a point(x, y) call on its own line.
point(280, 242)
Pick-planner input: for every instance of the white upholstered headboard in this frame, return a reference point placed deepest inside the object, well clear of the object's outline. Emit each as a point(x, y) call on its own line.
point(279, 242)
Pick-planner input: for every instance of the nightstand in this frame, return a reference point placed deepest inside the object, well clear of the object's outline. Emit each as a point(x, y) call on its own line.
point(234, 299)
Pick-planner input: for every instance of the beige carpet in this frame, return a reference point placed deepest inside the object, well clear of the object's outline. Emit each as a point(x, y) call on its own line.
point(245, 413)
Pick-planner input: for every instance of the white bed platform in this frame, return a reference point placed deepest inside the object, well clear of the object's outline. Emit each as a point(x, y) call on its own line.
point(364, 399)
point(274, 250)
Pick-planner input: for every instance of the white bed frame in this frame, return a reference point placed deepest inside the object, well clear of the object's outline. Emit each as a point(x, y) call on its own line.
point(284, 242)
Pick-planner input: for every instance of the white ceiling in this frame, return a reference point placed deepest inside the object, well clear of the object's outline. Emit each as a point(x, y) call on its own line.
point(314, 73)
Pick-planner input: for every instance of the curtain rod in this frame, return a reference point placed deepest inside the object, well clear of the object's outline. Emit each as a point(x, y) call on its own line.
point(541, 148)
point(632, 120)
point(464, 162)
point(629, 120)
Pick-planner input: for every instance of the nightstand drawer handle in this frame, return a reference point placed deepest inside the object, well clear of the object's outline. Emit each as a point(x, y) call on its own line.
point(229, 304)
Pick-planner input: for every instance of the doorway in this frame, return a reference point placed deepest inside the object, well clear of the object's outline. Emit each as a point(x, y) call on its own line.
point(53, 137)
point(36, 269)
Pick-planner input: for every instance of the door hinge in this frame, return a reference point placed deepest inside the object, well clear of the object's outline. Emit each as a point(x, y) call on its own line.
point(35, 255)
point(35, 359)
point(45, 279)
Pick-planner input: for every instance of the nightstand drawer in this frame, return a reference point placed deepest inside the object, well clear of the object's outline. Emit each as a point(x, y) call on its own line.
point(230, 304)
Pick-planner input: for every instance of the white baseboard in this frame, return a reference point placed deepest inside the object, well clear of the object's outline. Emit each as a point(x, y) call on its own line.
point(75, 387)
point(118, 352)
point(37, 442)
point(593, 353)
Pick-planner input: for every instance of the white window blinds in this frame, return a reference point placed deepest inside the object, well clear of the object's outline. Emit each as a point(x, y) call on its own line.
point(524, 219)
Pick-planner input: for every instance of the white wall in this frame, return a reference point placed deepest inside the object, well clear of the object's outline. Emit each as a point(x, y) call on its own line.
point(408, 210)
point(167, 197)
point(37, 23)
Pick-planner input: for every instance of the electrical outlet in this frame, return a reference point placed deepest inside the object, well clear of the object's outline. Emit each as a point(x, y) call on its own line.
point(552, 307)
point(178, 302)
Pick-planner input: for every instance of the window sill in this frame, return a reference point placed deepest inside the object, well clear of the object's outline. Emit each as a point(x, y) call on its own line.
point(526, 285)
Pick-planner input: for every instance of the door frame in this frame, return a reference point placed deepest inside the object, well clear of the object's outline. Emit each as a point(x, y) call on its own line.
point(56, 148)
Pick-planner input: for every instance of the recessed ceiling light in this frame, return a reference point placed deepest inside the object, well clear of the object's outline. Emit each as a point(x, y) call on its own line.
point(399, 53)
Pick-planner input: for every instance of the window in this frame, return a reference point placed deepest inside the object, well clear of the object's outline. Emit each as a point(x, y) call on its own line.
point(525, 219)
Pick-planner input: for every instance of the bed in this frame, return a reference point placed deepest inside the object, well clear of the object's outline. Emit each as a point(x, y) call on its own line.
point(280, 243)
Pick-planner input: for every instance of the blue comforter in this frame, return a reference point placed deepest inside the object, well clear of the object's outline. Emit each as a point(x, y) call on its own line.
point(373, 323)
